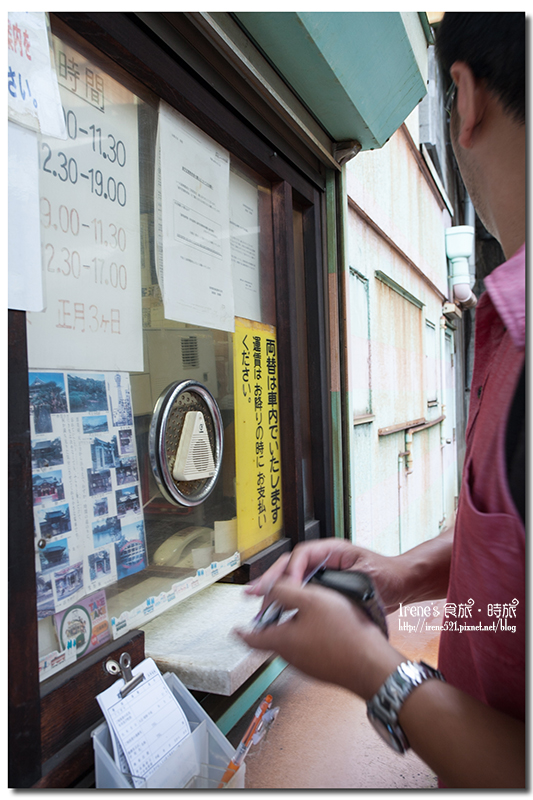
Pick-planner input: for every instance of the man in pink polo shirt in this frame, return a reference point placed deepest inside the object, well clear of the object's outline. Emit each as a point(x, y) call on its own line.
point(469, 727)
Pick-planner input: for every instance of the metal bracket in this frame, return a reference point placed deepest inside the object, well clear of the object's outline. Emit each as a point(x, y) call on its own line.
point(123, 667)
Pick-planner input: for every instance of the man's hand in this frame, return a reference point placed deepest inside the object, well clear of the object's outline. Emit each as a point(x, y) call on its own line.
point(468, 744)
point(329, 638)
point(385, 572)
point(419, 574)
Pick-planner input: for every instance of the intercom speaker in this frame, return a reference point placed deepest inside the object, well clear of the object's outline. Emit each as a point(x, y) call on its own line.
point(186, 443)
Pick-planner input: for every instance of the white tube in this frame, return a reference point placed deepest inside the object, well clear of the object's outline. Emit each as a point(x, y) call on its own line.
point(462, 293)
point(459, 248)
point(471, 302)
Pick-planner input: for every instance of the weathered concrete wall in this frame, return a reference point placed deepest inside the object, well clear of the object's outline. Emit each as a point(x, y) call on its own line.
point(395, 288)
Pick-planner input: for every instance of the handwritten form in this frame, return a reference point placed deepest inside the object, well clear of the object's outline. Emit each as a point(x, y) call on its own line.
point(146, 726)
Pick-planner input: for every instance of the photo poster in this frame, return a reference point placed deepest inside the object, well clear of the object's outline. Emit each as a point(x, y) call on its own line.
point(257, 436)
point(89, 226)
point(88, 515)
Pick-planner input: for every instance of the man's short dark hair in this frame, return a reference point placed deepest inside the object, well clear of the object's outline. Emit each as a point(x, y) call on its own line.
point(493, 44)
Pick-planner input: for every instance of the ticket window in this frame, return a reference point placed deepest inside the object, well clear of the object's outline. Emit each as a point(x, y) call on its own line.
point(158, 262)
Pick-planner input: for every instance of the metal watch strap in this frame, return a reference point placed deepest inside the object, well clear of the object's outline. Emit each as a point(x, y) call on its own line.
point(388, 700)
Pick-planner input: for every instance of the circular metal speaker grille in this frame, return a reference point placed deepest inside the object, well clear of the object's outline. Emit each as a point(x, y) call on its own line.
point(165, 432)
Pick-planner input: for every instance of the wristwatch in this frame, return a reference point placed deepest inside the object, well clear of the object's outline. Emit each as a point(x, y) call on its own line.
point(383, 709)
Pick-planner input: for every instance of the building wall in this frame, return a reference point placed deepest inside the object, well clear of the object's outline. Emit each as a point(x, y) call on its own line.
point(399, 351)
point(433, 122)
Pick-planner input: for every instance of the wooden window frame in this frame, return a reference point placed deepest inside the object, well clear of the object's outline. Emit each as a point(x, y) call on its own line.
point(49, 747)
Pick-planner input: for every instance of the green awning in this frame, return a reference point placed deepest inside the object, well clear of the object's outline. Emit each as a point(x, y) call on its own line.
point(359, 73)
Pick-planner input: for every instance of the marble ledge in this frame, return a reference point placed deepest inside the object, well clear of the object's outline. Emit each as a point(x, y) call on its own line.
point(195, 639)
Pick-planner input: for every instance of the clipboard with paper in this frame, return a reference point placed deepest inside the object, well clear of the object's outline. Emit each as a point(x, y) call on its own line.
point(147, 726)
point(158, 736)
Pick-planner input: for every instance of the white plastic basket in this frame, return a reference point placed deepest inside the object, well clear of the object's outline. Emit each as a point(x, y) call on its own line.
point(198, 763)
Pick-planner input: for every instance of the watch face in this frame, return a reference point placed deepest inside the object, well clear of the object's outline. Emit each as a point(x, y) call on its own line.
point(395, 739)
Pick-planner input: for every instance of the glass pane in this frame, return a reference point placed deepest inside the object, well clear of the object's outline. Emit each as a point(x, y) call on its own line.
point(111, 550)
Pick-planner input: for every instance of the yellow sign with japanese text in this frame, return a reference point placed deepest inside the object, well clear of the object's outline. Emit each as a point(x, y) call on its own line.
point(257, 439)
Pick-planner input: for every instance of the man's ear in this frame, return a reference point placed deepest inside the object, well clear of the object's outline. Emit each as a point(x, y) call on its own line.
point(470, 102)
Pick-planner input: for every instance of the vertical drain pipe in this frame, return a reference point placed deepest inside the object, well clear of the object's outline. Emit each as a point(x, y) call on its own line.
point(400, 465)
point(443, 413)
point(442, 375)
point(401, 455)
point(470, 219)
point(408, 453)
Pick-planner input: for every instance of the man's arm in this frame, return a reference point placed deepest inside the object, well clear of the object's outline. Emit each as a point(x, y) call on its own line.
point(425, 569)
point(466, 743)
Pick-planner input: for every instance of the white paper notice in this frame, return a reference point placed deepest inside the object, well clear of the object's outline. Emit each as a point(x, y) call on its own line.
point(244, 222)
point(32, 91)
point(148, 723)
point(194, 257)
point(90, 228)
point(25, 291)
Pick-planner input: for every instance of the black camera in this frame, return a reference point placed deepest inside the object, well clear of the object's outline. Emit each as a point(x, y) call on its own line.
point(359, 588)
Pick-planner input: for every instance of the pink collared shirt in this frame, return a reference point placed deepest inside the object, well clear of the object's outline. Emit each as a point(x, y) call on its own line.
point(480, 652)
